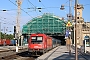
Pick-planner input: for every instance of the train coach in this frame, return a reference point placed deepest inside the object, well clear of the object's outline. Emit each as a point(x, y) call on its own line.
point(8, 42)
point(41, 43)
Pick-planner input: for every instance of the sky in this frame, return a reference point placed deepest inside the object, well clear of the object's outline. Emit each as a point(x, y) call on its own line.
point(8, 18)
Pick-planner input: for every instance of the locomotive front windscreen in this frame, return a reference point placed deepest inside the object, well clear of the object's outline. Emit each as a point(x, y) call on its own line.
point(36, 39)
point(39, 38)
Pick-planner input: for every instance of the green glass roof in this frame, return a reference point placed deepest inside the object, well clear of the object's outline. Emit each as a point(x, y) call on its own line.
point(47, 23)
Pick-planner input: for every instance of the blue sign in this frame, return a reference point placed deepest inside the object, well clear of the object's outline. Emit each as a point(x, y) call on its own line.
point(67, 33)
point(86, 37)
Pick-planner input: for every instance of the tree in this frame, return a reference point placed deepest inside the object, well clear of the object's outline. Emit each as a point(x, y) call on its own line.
point(6, 36)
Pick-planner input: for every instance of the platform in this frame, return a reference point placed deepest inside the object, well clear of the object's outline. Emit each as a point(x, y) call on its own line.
point(60, 53)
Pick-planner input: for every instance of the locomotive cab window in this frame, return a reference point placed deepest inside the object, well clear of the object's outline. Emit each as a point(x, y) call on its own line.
point(39, 38)
point(36, 39)
point(33, 38)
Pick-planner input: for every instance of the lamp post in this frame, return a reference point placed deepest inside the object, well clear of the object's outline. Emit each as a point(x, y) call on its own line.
point(69, 20)
point(62, 8)
point(76, 55)
point(68, 15)
point(0, 30)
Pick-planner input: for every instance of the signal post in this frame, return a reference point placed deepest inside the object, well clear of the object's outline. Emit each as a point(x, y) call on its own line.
point(68, 26)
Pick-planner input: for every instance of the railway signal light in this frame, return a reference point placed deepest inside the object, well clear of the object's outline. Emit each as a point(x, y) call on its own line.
point(14, 31)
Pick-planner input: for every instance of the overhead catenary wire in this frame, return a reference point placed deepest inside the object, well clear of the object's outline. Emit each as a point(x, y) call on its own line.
point(8, 15)
point(21, 9)
point(86, 4)
point(43, 5)
point(7, 22)
point(31, 3)
point(39, 8)
point(33, 6)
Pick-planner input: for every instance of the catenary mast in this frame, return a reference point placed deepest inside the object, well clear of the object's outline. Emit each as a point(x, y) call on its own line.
point(18, 33)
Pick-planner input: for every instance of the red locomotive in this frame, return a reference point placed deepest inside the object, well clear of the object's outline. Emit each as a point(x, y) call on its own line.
point(40, 43)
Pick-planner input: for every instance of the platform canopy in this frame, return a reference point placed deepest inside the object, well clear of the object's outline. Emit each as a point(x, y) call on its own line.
point(47, 23)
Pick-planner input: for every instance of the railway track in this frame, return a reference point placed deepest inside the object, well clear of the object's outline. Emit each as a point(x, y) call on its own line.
point(11, 54)
point(17, 56)
point(24, 55)
point(84, 55)
point(7, 49)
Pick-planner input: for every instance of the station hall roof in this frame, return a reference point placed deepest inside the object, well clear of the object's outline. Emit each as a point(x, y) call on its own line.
point(47, 23)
